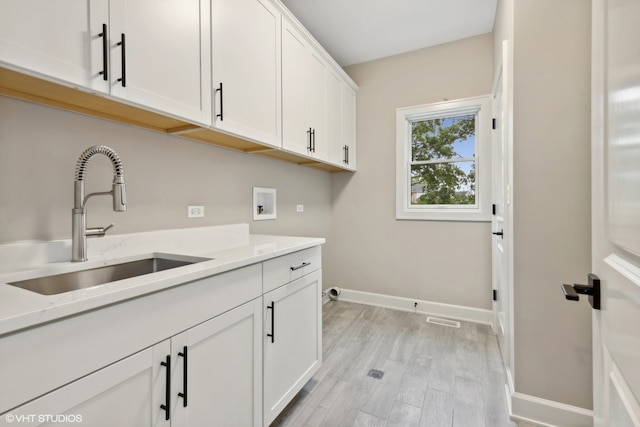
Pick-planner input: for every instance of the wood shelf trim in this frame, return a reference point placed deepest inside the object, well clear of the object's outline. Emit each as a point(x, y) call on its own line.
point(26, 87)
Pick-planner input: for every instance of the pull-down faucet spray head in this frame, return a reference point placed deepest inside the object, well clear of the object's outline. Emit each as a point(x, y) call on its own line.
point(79, 229)
point(119, 194)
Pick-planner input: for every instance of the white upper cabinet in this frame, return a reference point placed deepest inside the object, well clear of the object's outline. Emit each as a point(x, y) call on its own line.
point(246, 69)
point(341, 103)
point(61, 39)
point(304, 76)
point(295, 129)
point(160, 55)
point(153, 54)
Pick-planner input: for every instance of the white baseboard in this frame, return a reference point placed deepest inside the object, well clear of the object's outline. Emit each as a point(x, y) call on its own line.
point(539, 412)
point(548, 413)
point(449, 311)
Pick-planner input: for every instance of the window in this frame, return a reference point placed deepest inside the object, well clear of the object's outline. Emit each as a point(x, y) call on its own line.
point(443, 160)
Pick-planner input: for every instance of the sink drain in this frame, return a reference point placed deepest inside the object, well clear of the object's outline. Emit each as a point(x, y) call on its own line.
point(374, 373)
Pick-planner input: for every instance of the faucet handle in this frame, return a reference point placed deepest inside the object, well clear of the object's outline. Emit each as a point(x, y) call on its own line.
point(108, 227)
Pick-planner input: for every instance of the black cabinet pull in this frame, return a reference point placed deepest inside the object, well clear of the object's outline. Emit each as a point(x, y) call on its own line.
point(272, 307)
point(346, 154)
point(309, 147)
point(183, 395)
point(499, 233)
point(304, 264)
point(221, 115)
point(105, 52)
point(313, 139)
point(123, 54)
point(167, 397)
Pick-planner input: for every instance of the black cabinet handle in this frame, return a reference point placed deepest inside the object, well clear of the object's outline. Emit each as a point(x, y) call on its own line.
point(221, 115)
point(309, 147)
point(123, 54)
point(499, 233)
point(167, 397)
point(272, 307)
point(346, 154)
point(105, 52)
point(185, 370)
point(304, 264)
point(313, 138)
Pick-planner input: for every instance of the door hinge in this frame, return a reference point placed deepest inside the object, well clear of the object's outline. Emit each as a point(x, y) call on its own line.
point(493, 123)
point(495, 295)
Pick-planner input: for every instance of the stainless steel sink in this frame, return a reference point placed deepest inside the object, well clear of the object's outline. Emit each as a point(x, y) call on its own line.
point(82, 279)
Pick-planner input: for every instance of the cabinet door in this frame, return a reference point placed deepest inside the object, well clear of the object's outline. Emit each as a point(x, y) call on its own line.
point(56, 39)
point(341, 110)
point(122, 394)
point(246, 61)
point(164, 62)
point(316, 88)
point(223, 370)
point(295, 127)
point(334, 119)
point(292, 340)
point(348, 127)
point(304, 97)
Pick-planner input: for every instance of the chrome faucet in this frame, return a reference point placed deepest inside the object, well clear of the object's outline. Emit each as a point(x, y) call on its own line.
point(79, 230)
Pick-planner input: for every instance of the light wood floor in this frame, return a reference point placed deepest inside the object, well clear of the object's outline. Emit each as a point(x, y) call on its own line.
point(433, 375)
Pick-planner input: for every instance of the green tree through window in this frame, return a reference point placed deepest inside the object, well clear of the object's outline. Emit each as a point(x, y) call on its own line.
point(443, 166)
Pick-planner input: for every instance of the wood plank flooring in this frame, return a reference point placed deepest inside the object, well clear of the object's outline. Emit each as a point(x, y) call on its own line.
point(434, 375)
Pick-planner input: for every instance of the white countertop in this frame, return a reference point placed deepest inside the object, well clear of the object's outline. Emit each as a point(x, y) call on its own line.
point(229, 247)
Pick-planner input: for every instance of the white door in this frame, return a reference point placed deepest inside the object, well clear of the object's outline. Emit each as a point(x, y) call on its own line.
point(616, 211)
point(501, 210)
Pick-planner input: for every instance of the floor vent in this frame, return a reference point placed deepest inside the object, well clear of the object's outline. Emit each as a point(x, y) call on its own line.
point(374, 373)
point(443, 322)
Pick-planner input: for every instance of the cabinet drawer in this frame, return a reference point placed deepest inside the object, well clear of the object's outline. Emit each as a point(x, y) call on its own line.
point(282, 270)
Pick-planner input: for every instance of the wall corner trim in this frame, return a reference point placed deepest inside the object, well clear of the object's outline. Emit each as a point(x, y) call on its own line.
point(457, 312)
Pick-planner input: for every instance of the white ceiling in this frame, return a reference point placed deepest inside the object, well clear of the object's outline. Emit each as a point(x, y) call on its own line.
point(355, 31)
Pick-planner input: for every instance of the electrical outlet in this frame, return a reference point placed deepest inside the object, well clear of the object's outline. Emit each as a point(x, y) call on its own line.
point(195, 211)
point(299, 208)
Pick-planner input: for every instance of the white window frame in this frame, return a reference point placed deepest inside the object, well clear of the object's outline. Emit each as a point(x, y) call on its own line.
point(481, 211)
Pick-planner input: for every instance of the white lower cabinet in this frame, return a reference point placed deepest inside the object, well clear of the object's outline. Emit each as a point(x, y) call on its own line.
point(292, 340)
point(217, 371)
point(229, 350)
point(210, 374)
point(121, 394)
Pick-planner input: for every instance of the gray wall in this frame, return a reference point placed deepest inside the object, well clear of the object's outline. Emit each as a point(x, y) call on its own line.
point(39, 147)
point(552, 243)
point(448, 262)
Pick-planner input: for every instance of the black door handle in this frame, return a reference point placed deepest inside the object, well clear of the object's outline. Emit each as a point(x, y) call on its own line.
point(592, 289)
